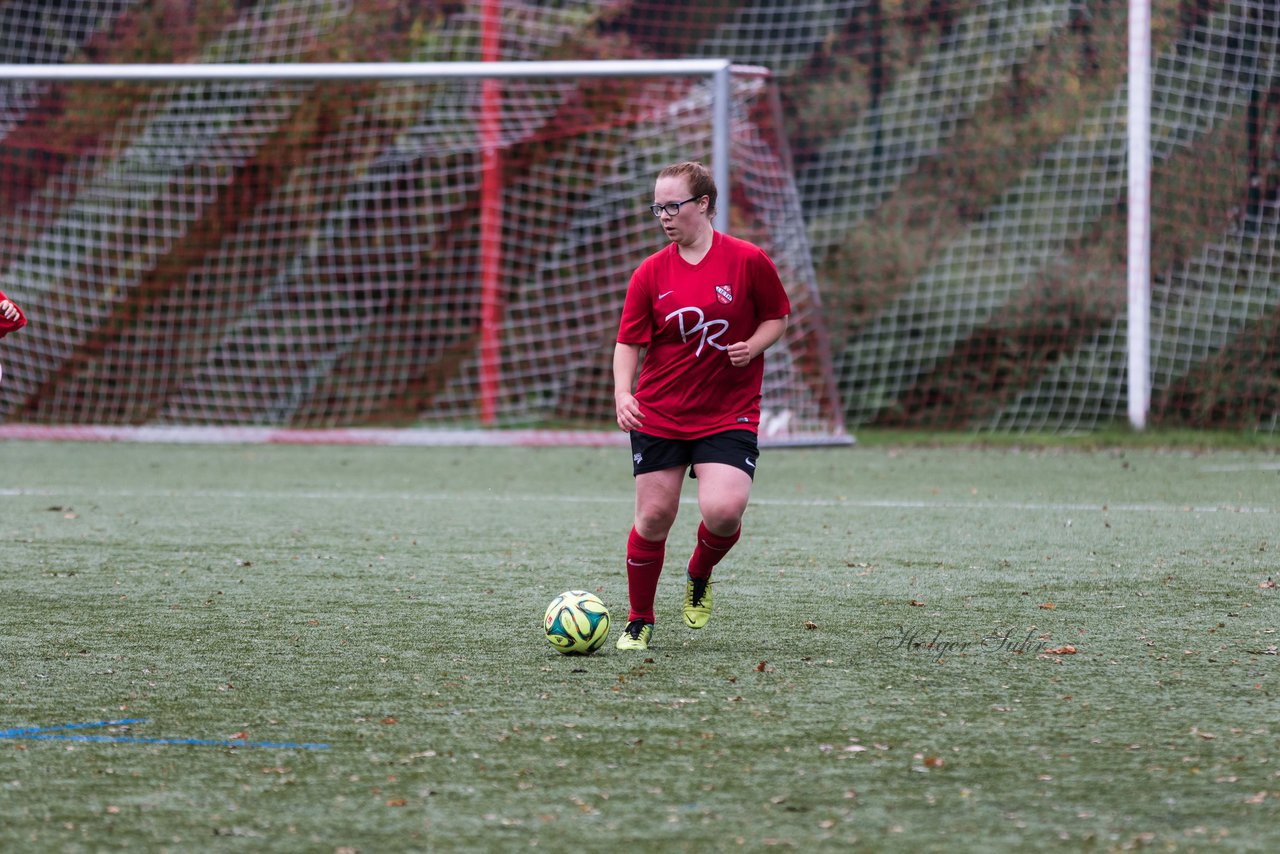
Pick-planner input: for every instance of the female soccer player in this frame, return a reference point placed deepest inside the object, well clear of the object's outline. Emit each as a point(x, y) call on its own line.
point(702, 310)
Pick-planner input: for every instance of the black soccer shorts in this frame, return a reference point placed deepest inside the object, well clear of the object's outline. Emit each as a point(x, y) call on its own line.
point(737, 448)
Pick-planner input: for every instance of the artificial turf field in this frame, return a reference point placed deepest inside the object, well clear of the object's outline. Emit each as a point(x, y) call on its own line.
point(338, 649)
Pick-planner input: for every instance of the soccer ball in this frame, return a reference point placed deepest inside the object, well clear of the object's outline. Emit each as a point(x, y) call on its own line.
point(576, 623)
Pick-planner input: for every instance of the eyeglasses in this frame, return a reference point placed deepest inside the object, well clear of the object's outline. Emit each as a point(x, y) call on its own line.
point(672, 208)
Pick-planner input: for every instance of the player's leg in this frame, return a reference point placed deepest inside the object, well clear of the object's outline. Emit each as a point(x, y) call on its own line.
point(659, 466)
point(657, 502)
point(723, 495)
point(724, 473)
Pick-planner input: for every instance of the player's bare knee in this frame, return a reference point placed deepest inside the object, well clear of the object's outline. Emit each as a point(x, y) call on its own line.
point(722, 521)
point(654, 523)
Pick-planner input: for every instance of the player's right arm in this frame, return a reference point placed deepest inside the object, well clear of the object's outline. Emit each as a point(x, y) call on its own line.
point(626, 358)
point(634, 333)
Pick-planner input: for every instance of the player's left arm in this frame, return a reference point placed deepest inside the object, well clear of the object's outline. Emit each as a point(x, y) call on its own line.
point(765, 336)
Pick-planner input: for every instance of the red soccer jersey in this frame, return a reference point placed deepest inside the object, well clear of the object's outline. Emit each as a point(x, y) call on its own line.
point(687, 315)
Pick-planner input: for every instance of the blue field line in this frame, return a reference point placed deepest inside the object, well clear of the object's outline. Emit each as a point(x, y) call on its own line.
point(23, 732)
point(62, 732)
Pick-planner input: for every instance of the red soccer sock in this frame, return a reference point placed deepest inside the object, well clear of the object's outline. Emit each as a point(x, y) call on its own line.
point(710, 549)
point(644, 565)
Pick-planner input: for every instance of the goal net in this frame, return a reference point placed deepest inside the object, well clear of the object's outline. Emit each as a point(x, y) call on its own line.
point(428, 250)
point(951, 176)
point(966, 187)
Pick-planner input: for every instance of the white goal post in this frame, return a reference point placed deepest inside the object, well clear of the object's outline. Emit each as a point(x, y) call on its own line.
point(1139, 213)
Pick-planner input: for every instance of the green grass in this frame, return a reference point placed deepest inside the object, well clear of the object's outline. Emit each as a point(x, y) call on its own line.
point(386, 602)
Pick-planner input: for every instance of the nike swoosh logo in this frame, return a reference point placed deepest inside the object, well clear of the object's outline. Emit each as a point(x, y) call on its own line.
point(631, 562)
point(667, 294)
point(750, 462)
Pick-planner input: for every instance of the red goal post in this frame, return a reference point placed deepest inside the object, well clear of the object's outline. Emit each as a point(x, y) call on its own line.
point(275, 250)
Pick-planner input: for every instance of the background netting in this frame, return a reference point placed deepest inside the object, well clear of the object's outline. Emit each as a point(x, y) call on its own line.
point(942, 182)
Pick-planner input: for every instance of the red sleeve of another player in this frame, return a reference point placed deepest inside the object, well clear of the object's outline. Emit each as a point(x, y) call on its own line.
point(636, 326)
point(770, 296)
point(7, 325)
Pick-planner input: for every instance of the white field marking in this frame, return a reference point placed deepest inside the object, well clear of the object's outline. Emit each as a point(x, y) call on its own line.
point(1237, 467)
point(872, 504)
point(1015, 505)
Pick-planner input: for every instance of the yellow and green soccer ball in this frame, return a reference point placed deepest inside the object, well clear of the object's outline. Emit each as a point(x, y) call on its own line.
point(576, 622)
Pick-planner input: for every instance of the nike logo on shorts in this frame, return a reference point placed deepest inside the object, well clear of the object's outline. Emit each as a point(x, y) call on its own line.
point(751, 462)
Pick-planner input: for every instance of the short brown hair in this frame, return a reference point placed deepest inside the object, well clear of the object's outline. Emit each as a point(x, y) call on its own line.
point(699, 178)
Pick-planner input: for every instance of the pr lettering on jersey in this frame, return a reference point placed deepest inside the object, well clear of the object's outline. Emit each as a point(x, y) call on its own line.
point(724, 294)
point(707, 330)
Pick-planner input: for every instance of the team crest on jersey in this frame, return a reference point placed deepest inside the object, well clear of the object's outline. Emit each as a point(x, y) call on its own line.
point(724, 294)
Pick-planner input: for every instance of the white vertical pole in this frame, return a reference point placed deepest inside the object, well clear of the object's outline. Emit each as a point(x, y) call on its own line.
point(721, 100)
point(1139, 254)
